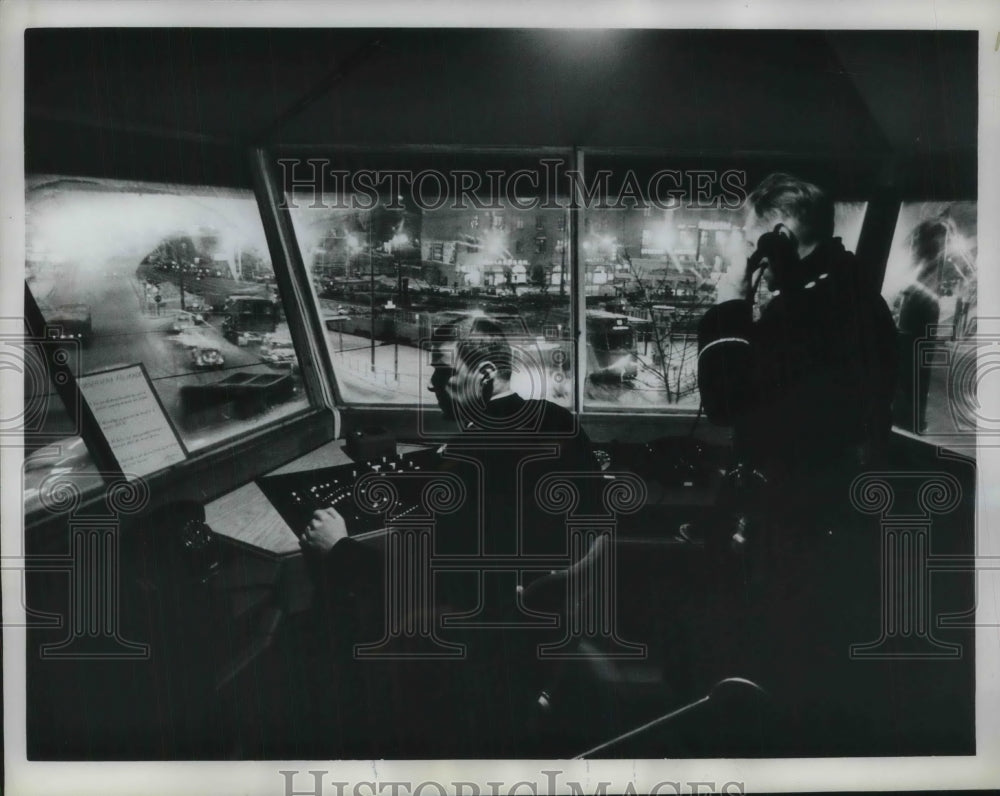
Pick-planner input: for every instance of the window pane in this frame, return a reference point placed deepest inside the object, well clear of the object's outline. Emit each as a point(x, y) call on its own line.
point(176, 277)
point(386, 277)
point(930, 284)
point(649, 275)
point(847, 220)
point(648, 279)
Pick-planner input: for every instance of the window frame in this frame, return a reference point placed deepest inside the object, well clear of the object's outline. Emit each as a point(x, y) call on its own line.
point(355, 414)
point(329, 416)
point(884, 193)
point(949, 445)
point(244, 456)
point(359, 412)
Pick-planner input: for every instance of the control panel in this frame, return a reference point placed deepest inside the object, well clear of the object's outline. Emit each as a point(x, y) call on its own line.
point(359, 492)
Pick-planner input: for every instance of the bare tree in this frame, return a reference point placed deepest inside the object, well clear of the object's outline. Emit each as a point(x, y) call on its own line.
point(673, 331)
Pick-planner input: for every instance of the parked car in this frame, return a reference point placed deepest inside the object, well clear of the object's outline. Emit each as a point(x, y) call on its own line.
point(194, 303)
point(279, 353)
point(185, 320)
point(70, 322)
point(204, 357)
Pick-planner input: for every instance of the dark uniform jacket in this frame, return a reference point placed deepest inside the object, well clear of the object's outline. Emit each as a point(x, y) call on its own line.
point(808, 391)
point(808, 387)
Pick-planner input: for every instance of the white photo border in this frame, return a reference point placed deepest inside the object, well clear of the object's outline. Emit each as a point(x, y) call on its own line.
point(106, 778)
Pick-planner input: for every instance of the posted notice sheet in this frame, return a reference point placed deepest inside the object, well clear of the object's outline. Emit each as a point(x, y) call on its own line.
point(133, 422)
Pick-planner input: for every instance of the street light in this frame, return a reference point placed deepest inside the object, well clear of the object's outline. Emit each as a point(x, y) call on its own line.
point(395, 339)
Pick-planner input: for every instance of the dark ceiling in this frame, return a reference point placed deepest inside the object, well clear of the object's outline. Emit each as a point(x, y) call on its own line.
point(694, 90)
point(809, 93)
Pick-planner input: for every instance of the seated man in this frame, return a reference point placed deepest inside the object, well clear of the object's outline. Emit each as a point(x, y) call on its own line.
point(502, 445)
point(514, 441)
point(510, 441)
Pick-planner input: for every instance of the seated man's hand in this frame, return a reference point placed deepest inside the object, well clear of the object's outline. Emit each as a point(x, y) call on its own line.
point(324, 530)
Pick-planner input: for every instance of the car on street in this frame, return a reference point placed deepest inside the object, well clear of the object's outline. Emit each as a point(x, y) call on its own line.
point(185, 320)
point(279, 353)
point(70, 322)
point(203, 357)
point(194, 303)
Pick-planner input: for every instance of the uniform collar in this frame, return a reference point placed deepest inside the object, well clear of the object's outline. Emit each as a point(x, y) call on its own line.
point(821, 262)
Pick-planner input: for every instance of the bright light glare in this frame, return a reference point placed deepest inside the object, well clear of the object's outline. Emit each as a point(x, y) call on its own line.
point(91, 228)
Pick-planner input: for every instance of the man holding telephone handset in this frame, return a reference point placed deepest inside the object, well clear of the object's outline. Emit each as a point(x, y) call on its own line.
point(808, 386)
point(807, 389)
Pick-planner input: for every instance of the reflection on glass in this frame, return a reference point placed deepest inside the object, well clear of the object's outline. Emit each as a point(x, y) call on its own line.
point(52, 447)
point(175, 277)
point(649, 275)
point(385, 279)
point(847, 220)
point(931, 286)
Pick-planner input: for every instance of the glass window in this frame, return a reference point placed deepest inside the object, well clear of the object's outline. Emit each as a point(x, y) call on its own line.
point(400, 244)
point(648, 280)
point(382, 291)
point(931, 285)
point(847, 220)
point(176, 277)
point(387, 272)
point(650, 271)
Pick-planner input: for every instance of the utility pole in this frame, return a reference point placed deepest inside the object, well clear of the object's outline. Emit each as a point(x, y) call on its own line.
point(181, 265)
point(371, 276)
point(182, 287)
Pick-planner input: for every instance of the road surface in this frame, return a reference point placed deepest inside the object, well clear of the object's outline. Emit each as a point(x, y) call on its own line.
point(129, 329)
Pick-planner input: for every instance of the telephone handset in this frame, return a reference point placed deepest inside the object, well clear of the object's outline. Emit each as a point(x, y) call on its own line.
point(779, 251)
